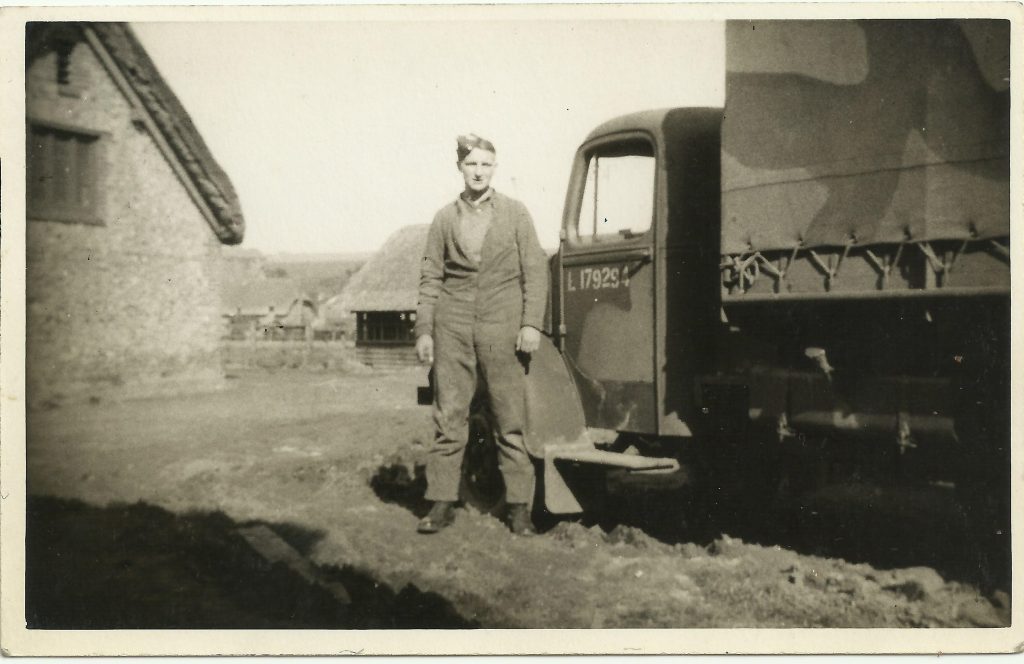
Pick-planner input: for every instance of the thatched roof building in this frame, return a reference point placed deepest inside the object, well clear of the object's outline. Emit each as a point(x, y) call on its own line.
point(390, 280)
point(180, 138)
point(125, 210)
point(381, 298)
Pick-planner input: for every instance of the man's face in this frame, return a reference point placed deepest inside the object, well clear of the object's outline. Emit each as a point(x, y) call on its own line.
point(478, 169)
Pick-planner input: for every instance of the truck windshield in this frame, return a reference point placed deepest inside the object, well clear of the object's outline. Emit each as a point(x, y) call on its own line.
point(618, 196)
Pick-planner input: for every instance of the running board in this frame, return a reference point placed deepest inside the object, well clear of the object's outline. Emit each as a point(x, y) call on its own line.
point(617, 460)
point(559, 498)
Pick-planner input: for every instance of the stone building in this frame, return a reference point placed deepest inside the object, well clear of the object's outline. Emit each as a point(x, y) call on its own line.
point(382, 298)
point(126, 212)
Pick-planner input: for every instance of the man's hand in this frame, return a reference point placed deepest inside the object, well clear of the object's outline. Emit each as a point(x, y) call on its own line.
point(425, 348)
point(528, 340)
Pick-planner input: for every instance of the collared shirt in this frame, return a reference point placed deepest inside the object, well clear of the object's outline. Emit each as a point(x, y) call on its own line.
point(474, 219)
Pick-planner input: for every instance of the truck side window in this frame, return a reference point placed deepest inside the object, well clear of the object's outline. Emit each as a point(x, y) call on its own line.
point(618, 197)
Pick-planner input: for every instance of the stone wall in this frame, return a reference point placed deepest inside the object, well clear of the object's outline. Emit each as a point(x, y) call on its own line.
point(129, 306)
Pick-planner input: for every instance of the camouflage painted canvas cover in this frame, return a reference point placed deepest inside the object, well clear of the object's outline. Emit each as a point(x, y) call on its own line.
point(877, 131)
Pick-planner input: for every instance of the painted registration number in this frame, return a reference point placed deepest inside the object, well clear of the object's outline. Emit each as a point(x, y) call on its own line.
point(597, 278)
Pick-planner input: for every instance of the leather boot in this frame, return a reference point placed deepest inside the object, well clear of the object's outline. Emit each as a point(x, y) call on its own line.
point(441, 515)
point(519, 521)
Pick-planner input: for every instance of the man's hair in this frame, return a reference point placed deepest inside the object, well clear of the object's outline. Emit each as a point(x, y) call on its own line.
point(466, 143)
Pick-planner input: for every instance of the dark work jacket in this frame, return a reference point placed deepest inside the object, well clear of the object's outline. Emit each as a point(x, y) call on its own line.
point(510, 284)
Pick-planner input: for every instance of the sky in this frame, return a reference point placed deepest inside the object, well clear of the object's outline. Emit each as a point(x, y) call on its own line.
point(338, 133)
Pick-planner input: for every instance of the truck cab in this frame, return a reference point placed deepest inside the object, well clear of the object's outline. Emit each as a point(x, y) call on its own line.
point(634, 287)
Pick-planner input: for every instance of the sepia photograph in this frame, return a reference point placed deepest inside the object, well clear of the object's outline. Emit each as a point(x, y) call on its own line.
point(445, 330)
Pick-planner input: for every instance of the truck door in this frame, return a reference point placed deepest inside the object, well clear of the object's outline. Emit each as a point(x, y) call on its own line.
point(606, 282)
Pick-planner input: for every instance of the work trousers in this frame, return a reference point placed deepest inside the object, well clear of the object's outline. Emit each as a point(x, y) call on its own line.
point(465, 347)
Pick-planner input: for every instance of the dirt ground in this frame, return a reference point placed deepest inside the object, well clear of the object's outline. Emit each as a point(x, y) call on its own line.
point(140, 507)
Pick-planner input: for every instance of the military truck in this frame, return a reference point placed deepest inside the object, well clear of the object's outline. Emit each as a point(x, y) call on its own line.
point(813, 280)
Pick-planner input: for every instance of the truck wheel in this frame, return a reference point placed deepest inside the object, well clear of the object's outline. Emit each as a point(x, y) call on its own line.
point(744, 481)
point(482, 488)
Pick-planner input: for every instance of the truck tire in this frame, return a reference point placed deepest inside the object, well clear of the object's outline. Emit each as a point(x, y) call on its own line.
point(482, 488)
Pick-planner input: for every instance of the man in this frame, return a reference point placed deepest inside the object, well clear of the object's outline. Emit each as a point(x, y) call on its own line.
point(483, 292)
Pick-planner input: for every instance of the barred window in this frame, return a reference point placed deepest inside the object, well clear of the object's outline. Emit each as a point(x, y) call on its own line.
point(63, 174)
